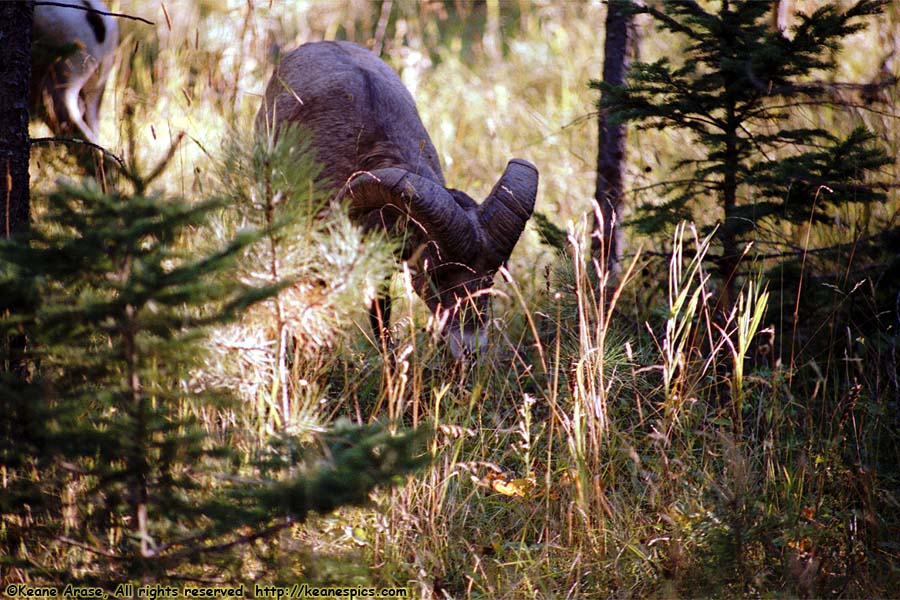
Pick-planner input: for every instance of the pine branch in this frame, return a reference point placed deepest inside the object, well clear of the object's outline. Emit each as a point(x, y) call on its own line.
point(673, 25)
point(827, 88)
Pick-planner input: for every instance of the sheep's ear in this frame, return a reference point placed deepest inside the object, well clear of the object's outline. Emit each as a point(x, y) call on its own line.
point(427, 203)
point(507, 208)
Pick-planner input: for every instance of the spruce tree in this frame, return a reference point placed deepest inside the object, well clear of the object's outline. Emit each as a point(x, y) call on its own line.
point(734, 90)
point(332, 269)
point(108, 473)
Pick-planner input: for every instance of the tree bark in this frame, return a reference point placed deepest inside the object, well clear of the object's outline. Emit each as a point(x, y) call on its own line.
point(607, 241)
point(15, 74)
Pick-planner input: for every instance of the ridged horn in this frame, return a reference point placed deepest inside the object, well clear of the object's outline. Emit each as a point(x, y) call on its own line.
point(508, 207)
point(427, 202)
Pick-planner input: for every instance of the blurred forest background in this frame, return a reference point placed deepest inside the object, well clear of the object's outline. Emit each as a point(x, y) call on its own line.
point(629, 436)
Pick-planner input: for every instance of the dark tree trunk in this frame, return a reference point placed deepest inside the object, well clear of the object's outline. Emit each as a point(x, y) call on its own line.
point(15, 73)
point(730, 252)
point(607, 242)
point(731, 161)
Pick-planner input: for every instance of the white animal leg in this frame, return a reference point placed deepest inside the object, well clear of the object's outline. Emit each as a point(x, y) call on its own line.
point(71, 98)
point(92, 97)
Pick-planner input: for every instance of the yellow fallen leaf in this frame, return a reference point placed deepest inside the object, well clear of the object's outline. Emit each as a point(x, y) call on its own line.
point(514, 487)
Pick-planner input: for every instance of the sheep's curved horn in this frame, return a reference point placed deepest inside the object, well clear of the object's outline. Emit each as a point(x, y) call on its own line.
point(507, 208)
point(427, 202)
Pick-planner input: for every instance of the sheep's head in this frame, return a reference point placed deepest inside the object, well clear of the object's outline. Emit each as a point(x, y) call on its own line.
point(454, 244)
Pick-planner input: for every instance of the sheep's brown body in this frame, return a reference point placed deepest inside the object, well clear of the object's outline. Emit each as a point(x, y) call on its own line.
point(375, 151)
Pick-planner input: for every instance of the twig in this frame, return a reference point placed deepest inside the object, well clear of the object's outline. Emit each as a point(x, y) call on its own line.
point(89, 548)
point(157, 171)
point(99, 12)
point(237, 541)
point(71, 140)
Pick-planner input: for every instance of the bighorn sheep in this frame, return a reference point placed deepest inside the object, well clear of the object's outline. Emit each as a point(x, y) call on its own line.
point(373, 146)
point(72, 54)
